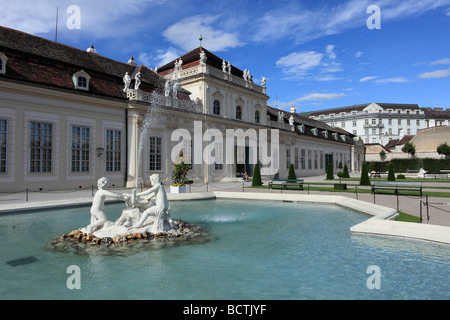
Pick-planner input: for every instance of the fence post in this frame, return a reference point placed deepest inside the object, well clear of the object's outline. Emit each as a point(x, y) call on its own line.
point(27, 195)
point(243, 186)
point(206, 186)
point(356, 188)
point(421, 211)
point(428, 213)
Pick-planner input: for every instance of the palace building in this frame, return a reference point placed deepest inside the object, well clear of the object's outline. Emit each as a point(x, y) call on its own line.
point(70, 116)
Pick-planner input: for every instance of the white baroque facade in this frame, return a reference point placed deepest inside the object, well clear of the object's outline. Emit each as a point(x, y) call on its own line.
point(70, 116)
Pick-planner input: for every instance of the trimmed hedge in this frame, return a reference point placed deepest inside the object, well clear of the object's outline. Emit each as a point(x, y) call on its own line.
point(400, 165)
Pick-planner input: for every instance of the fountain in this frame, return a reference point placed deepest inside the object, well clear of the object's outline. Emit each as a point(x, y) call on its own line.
point(142, 220)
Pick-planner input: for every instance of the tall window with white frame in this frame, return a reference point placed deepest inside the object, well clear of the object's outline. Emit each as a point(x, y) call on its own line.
point(155, 153)
point(238, 112)
point(3, 145)
point(257, 118)
point(113, 150)
point(216, 107)
point(296, 158)
point(80, 149)
point(303, 159)
point(41, 136)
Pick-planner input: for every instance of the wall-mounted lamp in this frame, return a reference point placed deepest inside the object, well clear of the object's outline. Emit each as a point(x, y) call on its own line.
point(100, 151)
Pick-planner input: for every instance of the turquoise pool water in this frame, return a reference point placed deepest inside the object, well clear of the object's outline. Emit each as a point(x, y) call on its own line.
point(261, 250)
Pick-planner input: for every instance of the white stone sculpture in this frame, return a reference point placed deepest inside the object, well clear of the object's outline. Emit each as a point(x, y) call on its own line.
point(98, 216)
point(229, 67)
point(224, 66)
point(202, 58)
point(141, 215)
point(291, 120)
point(160, 210)
point(263, 81)
point(137, 79)
point(167, 88)
point(126, 81)
point(421, 173)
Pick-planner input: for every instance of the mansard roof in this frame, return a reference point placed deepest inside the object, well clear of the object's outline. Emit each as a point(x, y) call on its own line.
point(360, 107)
point(323, 131)
point(192, 58)
point(35, 60)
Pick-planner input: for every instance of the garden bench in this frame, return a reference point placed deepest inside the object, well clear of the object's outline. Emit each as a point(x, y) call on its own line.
point(397, 186)
point(284, 183)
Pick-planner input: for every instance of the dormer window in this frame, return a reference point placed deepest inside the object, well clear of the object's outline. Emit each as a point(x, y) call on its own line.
point(3, 60)
point(81, 80)
point(301, 128)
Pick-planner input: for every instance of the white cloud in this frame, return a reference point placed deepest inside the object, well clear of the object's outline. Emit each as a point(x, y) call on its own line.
point(441, 61)
point(367, 78)
point(302, 24)
point(320, 97)
point(392, 80)
point(312, 64)
point(185, 34)
point(159, 59)
point(300, 60)
point(330, 53)
point(358, 54)
point(435, 74)
point(100, 18)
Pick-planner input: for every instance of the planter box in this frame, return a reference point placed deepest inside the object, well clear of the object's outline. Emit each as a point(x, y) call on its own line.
point(178, 189)
point(340, 186)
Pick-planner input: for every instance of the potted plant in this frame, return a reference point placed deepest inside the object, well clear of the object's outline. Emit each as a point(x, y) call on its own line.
point(180, 170)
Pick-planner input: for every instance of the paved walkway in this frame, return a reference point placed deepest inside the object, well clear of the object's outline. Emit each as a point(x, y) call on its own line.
point(438, 209)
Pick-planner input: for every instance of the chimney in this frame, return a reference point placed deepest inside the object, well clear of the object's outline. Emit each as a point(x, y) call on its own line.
point(91, 49)
point(132, 62)
point(293, 109)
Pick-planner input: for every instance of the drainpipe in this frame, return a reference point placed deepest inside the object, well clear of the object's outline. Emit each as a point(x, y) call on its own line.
point(126, 148)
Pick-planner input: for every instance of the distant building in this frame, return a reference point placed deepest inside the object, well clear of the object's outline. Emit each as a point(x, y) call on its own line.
point(381, 122)
point(425, 143)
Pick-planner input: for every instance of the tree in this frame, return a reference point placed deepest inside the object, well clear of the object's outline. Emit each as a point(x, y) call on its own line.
point(382, 155)
point(409, 148)
point(365, 180)
point(391, 174)
point(330, 171)
point(444, 149)
point(256, 180)
point(345, 173)
point(291, 174)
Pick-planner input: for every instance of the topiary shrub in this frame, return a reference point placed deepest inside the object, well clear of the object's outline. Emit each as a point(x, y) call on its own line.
point(364, 180)
point(256, 179)
point(391, 174)
point(291, 173)
point(345, 173)
point(330, 172)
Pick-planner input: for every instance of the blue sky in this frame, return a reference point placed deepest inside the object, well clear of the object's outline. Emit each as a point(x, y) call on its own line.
point(314, 54)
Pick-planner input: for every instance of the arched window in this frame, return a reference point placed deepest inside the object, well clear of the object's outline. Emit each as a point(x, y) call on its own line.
point(238, 112)
point(257, 116)
point(216, 107)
